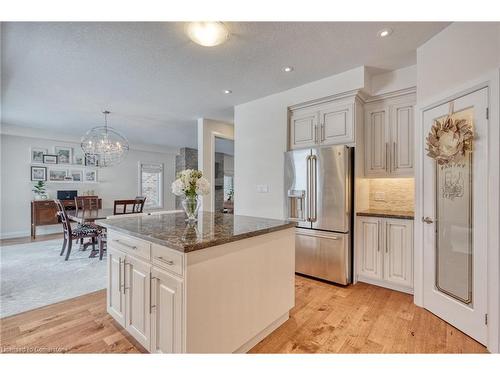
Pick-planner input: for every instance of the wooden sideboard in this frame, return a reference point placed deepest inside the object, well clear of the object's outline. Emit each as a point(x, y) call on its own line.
point(44, 212)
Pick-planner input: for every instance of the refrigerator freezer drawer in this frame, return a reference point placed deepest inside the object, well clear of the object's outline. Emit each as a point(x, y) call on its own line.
point(324, 255)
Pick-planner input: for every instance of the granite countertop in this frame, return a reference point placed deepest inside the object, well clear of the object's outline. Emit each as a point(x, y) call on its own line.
point(171, 230)
point(410, 215)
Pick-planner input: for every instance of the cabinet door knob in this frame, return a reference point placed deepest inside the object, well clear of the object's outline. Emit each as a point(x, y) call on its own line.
point(427, 220)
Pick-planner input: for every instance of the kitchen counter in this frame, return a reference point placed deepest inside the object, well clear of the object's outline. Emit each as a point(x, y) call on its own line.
point(171, 230)
point(216, 286)
point(409, 215)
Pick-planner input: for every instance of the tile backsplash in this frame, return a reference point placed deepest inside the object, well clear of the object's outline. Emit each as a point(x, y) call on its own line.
point(396, 194)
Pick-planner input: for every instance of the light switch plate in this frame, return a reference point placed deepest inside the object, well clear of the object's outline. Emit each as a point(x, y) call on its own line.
point(262, 188)
point(379, 196)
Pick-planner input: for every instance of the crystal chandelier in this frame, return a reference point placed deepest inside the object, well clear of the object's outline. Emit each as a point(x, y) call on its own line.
point(103, 146)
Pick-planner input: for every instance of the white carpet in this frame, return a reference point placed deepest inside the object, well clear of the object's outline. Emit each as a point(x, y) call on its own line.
point(34, 275)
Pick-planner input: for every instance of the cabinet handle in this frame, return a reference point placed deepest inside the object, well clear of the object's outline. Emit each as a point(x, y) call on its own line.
point(150, 292)
point(386, 157)
point(379, 228)
point(120, 286)
point(125, 287)
point(126, 244)
point(168, 261)
point(316, 133)
point(386, 239)
point(394, 155)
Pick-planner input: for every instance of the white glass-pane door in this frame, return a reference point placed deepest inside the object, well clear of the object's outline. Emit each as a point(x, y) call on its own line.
point(454, 225)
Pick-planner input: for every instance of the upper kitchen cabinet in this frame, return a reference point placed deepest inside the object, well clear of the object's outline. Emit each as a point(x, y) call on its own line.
point(325, 123)
point(336, 124)
point(303, 128)
point(389, 136)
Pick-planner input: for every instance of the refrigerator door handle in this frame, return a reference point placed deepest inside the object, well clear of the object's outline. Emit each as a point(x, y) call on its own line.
point(308, 187)
point(314, 192)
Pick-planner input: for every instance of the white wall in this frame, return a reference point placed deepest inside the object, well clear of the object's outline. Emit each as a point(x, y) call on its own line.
point(393, 81)
point(118, 182)
point(261, 140)
point(460, 53)
point(461, 56)
point(207, 131)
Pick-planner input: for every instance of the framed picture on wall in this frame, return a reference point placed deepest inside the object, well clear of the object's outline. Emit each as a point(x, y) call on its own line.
point(77, 175)
point(49, 159)
point(91, 160)
point(79, 157)
point(37, 154)
point(90, 176)
point(64, 154)
point(38, 173)
point(58, 174)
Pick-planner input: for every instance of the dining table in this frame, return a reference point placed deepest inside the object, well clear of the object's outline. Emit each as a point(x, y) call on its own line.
point(89, 216)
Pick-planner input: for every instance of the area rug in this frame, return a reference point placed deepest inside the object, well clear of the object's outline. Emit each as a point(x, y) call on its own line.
point(34, 275)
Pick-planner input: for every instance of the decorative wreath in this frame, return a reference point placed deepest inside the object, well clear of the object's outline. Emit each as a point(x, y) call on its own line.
point(449, 140)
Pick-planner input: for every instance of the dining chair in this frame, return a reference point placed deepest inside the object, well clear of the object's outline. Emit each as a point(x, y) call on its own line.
point(81, 231)
point(128, 206)
point(87, 202)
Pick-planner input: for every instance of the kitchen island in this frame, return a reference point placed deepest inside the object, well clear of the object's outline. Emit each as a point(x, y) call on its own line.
point(216, 286)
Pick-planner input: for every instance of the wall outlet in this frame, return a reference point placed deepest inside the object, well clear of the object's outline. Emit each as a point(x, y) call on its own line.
point(379, 196)
point(262, 188)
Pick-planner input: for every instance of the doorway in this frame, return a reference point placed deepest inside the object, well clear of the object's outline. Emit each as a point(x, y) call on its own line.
point(455, 218)
point(223, 188)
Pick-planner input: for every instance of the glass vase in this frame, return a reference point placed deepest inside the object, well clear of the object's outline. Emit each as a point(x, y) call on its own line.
point(191, 206)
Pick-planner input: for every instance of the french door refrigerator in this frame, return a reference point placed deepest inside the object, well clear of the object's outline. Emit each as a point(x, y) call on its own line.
point(319, 190)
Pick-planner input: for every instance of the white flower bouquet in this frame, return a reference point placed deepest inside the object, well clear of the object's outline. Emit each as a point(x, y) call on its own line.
point(190, 184)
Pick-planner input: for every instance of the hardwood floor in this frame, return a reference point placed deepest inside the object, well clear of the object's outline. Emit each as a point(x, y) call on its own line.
point(326, 319)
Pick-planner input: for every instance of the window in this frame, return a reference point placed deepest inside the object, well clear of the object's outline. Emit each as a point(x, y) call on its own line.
point(151, 184)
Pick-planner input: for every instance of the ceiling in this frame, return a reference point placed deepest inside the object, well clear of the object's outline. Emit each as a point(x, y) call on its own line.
point(156, 82)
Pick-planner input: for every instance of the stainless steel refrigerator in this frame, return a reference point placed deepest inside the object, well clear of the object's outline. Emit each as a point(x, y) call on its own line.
point(319, 191)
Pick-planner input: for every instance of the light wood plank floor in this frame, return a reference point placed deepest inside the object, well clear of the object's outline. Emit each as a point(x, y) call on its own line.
point(326, 319)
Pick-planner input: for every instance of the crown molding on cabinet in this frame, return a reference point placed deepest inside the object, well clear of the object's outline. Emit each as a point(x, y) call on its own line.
point(336, 97)
point(356, 94)
point(388, 95)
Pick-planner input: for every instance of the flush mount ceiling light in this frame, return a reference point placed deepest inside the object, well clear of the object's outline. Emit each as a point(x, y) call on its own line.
point(207, 34)
point(227, 91)
point(385, 32)
point(103, 145)
point(288, 69)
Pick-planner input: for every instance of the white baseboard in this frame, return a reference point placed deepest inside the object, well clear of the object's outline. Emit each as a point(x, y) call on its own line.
point(262, 334)
point(385, 284)
point(26, 233)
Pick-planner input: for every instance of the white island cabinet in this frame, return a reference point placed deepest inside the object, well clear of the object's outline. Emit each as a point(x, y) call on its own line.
point(220, 286)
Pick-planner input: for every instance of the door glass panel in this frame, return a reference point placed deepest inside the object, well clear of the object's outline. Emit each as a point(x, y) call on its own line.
point(454, 251)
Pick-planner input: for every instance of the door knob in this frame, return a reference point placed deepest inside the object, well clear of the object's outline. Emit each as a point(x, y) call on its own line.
point(427, 220)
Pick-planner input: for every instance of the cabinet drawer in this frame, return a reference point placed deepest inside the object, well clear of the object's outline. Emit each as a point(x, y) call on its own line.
point(168, 259)
point(130, 245)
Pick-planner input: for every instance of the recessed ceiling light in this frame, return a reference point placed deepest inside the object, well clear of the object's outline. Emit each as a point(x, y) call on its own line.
point(207, 34)
point(227, 91)
point(288, 69)
point(385, 32)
